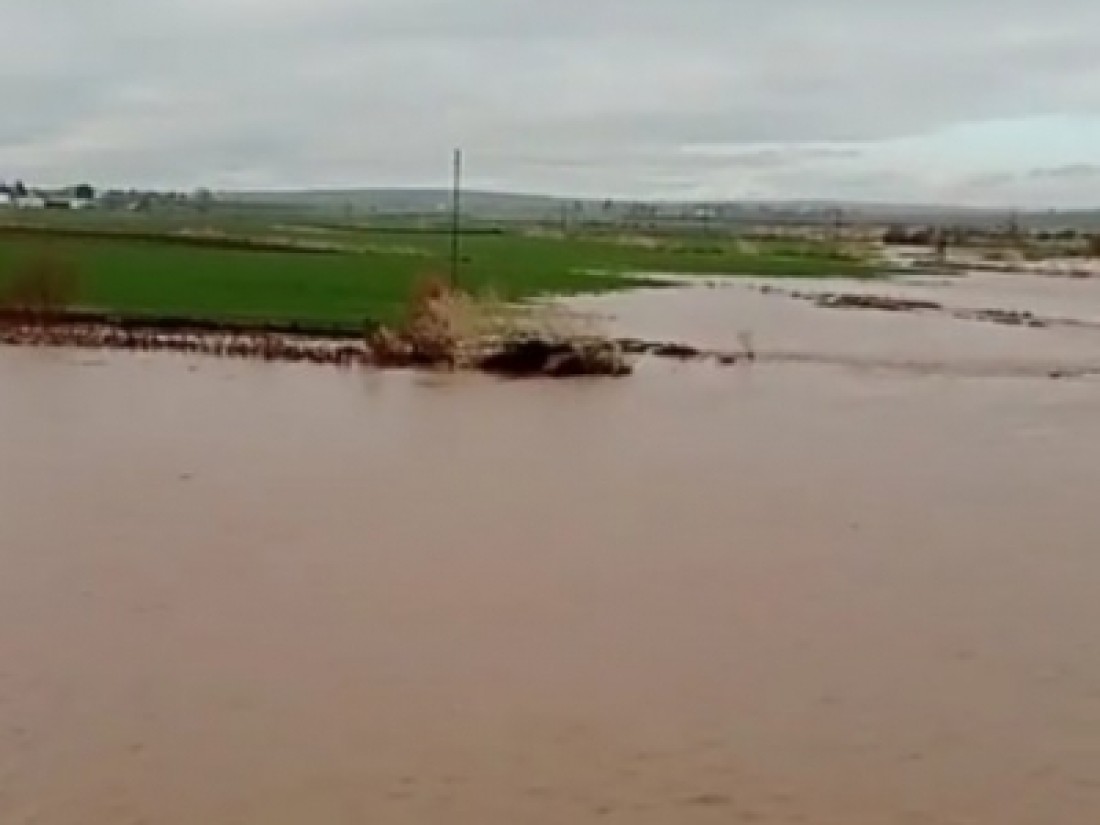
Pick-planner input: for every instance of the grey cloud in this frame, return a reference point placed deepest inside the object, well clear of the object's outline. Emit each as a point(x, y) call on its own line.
point(1071, 185)
point(987, 181)
point(591, 97)
point(770, 158)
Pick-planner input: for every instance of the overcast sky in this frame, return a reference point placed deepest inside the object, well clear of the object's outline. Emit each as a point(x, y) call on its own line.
point(993, 102)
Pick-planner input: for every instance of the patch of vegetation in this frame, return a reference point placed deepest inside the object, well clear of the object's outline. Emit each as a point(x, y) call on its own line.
point(40, 288)
point(450, 329)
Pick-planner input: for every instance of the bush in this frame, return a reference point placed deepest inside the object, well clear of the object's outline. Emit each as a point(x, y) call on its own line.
point(449, 329)
point(41, 288)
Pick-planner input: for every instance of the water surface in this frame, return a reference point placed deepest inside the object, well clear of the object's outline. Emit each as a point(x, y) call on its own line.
point(266, 594)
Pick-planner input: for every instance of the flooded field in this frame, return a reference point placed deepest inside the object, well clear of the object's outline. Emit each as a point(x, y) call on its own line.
point(832, 590)
point(785, 330)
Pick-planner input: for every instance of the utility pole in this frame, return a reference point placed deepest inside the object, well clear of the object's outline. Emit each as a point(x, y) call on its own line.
point(456, 212)
point(1013, 227)
point(838, 225)
point(941, 240)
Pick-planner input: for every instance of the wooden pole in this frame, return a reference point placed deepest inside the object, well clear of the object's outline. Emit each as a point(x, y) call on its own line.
point(456, 213)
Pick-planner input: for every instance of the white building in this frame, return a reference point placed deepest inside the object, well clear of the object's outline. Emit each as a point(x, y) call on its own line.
point(31, 201)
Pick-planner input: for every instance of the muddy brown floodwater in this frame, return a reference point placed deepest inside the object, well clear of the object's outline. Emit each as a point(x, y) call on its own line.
point(790, 593)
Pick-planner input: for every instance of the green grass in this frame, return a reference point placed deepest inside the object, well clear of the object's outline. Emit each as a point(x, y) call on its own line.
point(146, 277)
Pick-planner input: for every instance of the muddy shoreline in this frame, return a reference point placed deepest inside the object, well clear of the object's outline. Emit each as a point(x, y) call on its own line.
point(232, 342)
point(183, 323)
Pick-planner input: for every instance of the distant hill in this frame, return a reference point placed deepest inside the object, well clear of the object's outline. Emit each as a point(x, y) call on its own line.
point(406, 201)
point(504, 206)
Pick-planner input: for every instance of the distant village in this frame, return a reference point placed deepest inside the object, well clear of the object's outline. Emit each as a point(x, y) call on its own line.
point(936, 227)
point(19, 196)
point(82, 196)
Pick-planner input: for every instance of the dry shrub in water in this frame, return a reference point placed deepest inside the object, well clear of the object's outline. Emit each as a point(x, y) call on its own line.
point(443, 327)
point(40, 289)
point(430, 324)
point(429, 334)
point(448, 328)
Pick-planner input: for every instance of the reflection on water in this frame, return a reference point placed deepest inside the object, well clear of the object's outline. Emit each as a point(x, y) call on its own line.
point(243, 593)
